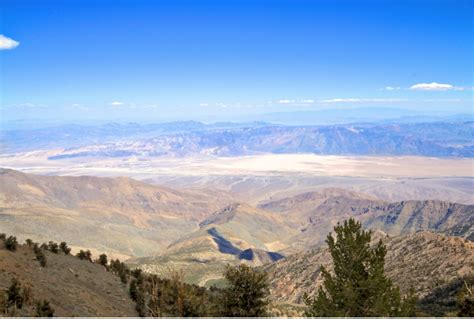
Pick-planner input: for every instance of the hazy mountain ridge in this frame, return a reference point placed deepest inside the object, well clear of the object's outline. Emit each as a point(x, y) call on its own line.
point(439, 139)
point(73, 135)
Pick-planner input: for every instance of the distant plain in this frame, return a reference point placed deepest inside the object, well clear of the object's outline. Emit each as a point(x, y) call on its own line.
point(259, 177)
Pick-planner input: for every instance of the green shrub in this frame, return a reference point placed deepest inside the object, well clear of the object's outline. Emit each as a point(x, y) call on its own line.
point(84, 255)
point(44, 309)
point(11, 243)
point(64, 248)
point(53, 247)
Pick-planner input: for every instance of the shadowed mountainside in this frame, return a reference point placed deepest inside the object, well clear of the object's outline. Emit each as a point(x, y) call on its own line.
point(237, 233)
point(241, 233)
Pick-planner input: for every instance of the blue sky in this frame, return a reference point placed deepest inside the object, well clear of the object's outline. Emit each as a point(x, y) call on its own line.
point(191, 59)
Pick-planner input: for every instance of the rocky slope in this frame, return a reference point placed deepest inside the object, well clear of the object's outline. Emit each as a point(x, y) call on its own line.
point(319, 212)
point(73, 287)
point(423, 260)
point(237, 233)
point(178, 229)
point(117, 215)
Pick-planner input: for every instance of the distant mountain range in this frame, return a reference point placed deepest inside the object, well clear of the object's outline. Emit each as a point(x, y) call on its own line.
point(438, 139)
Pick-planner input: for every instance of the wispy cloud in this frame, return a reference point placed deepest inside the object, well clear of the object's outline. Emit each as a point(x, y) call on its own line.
point(116, 103)
point(24, 106)
point(359, 100)
point(285, 101)
point(7, 43)
point(203, 104)
point(391, 88)
point(433, 86)
point(27, 104)
point(301, 102)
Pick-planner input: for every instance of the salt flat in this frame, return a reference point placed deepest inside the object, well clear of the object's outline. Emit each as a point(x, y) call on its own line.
point(266, 165)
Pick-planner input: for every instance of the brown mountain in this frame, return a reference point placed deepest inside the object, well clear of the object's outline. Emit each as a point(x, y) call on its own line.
point(165, 229)
point(237, 233)
point(319, 212)
point(73, 287)
point(423, 260)
point(302, 207)
point(117, 215)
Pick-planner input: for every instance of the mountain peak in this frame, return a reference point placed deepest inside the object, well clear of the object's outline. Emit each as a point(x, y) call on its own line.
point(228, 213)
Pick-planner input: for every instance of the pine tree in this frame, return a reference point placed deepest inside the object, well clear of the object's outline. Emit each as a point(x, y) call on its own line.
point(359, 286)
point(247, 292)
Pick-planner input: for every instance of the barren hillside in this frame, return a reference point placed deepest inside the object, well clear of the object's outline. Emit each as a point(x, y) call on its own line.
point(73, 287)
point(423, 260)
point(117, 215)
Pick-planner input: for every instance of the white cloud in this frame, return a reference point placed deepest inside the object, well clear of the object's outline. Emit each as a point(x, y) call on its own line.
point(391, 88)
point(357, 100)
point(7, 43)
point(28, 104)
point(434, 86)
point(339, 100)
point(307, 101)
point(203, 104)
point(116, 103)
point(285, 101)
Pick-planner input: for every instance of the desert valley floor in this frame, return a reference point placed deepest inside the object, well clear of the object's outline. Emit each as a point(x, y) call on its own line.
point(260, 177)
